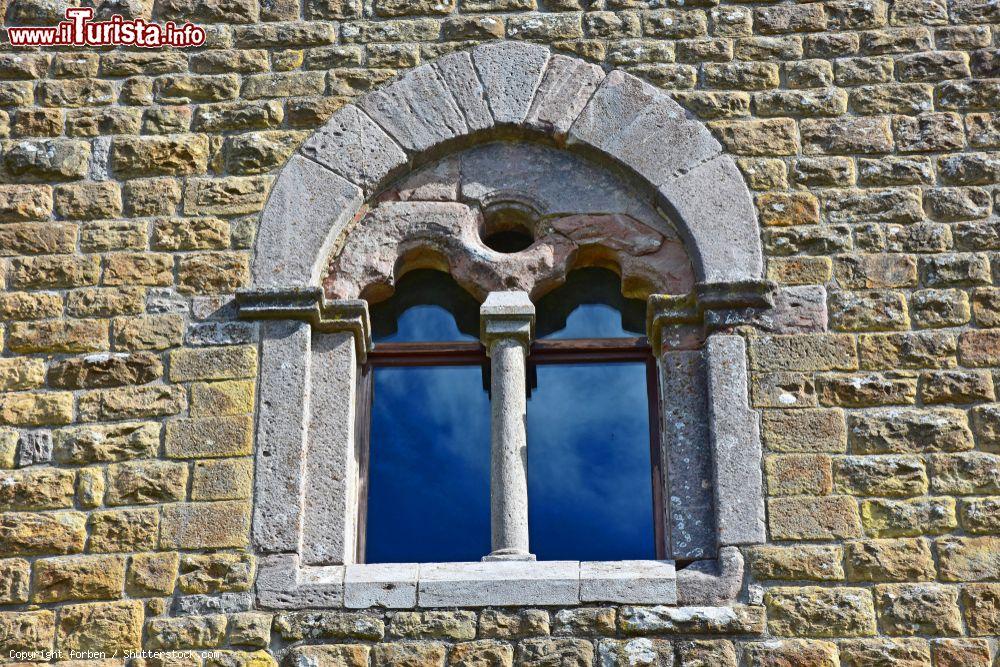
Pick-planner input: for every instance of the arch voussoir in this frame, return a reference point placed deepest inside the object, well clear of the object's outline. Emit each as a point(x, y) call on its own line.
point(501, 85)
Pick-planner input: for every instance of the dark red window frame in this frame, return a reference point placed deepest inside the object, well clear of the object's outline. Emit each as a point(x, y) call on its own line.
point(567, 351)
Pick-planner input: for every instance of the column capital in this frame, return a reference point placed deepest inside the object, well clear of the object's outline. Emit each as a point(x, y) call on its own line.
point(506, 316)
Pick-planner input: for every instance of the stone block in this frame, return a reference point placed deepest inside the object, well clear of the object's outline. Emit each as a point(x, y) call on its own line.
point(101, 626)
point(15, 580)
point(908, 518)
point(969, 558)
point(465, 88)
point(510, 73)
point(356, 148)
point(115, 531)
point(101, 443)
point(142, 483)
point(222, 479)
point(389, 585)
point(151, 574)
point(794, 563)
point(105, 370)
point(863, 652)
point(799, 652)
point(918, 609)
point(343, 655)
point(501, 583)
point(78, 578)
point(890, 560)
point(808, 430)
point(416, 110)
point(301, 184)
point(193, 632)
point(810, 518)
point(214, 525)
point(736, 449)
point(433, 625)
point(29, 631)
point(425, 654)
point(209, 437)
point(628, 582)
point(717, 620)
point(565, 89)
point(36, 489)
point(820, 612)
point(908, 430)
point(217, 363)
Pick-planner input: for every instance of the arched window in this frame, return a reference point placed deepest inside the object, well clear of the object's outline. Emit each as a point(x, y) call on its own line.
point(509, 169)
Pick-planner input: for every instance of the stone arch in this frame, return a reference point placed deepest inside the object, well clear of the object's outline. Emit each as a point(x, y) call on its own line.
point(508, 89)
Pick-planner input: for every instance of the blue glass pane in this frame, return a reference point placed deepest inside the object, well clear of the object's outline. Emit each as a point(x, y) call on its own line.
point(425, 323)
point(590, 304)
point(429, 468)
point(427, 306)
point(589, 475)
point(593, 320)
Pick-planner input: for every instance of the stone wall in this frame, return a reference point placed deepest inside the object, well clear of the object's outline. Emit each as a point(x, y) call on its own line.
point(131, 187)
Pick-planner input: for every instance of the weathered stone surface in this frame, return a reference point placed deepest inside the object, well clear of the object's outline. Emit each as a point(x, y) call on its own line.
point(49, 533)
point(809, 518)
point(820, 612)
point(859, 652)
point(78, 578)
point(904, 430)
point(510, 73)
point(795, 563)
point(908, 518)
point(735, 619)
point(151, 574)
point(339, 655)
point(105, 443)
point(36, 489)
point(101, 626)
point(205, 525)
point(186, 633)
point(890, 560)
point(925, 609)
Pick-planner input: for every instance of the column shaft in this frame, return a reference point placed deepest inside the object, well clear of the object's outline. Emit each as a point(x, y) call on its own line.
point(509, 462)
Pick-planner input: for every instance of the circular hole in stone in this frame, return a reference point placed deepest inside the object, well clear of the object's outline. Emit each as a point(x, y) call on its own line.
point(508, 228)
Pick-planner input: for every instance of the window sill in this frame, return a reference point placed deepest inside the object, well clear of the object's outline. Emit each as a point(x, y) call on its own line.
point(283, 584)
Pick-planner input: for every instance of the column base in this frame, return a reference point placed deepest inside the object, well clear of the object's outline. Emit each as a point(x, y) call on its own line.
point(508, 554)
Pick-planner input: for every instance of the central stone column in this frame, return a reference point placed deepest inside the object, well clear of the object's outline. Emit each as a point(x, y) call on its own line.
point(507, 321)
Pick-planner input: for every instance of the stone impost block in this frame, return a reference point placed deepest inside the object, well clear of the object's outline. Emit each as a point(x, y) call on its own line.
point(630, 582)
point(499, 583)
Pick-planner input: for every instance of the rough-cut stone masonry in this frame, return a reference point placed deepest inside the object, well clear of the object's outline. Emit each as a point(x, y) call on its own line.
point(130, 190)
